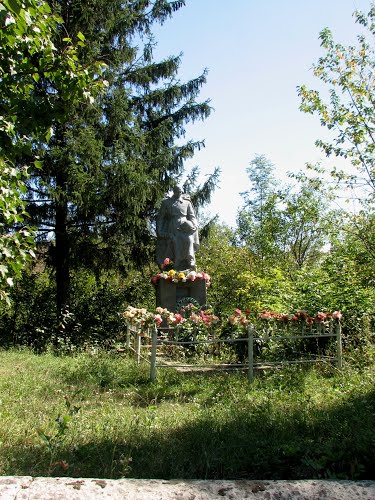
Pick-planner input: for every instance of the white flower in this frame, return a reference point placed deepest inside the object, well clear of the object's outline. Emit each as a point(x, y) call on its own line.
point(9, 20)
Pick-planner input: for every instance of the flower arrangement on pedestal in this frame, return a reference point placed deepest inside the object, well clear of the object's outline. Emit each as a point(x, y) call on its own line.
point(169, 274)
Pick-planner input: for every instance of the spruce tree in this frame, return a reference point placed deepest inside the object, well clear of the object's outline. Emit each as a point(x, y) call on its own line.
point(107, 167)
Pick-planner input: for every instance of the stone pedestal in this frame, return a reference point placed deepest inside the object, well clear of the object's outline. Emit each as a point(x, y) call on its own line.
point(169, 293)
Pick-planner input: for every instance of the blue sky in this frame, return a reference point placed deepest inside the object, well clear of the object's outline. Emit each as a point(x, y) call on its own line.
point(257, 52)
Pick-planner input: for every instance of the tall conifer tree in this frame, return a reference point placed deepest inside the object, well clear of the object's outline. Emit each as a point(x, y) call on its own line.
point(106, 168)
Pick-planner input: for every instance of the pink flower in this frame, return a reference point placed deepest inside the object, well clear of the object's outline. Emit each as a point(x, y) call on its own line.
point(158, 319)
point(337, 315)
point(166, 262)
point(195, 318)
point(233, 320)
point(264, 315)
point(320, 317)
point(178, 318)
point(244, 321)
point(238, 312)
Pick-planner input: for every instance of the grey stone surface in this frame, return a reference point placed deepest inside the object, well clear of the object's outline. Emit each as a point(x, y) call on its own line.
point(42, 488)
point(168, 293)
point(177, 232)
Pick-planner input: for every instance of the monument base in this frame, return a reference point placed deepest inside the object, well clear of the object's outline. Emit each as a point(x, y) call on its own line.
point(169, 293)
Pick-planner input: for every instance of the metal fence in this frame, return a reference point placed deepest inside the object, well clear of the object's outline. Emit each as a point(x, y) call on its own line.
point(153, 338)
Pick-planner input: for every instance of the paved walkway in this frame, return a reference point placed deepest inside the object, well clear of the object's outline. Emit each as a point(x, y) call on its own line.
point(42, 488)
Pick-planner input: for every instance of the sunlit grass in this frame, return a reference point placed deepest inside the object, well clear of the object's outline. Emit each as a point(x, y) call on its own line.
point(287, 424)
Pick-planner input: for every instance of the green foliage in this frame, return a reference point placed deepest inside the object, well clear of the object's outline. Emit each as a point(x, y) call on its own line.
point(309, 222)
point(27, 112)
point(16, 247)
point(271, 290)
point(107, 166)
point(91, 320)
point(260, 222)
point(348, 73)
point(55, 441)
point(30, 319)
point(286, 228)
point(225, 262)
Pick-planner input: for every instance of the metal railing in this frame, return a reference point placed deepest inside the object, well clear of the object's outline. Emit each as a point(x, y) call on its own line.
point(135, 334)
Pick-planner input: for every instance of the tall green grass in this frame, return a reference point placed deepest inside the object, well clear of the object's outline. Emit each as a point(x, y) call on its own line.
point(99, 416)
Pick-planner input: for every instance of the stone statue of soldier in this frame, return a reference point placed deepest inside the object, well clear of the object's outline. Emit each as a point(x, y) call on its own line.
point(177, 232)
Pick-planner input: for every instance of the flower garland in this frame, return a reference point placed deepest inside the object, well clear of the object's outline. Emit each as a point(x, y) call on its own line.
point(180, 277)
point(301, 316)
point(169, 274)
point(190, 316)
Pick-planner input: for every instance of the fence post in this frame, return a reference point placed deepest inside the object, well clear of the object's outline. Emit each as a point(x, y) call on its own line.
point(153, 353)
point(339, 344)
point(127, 343)
point(250, 349)
point(138, 345)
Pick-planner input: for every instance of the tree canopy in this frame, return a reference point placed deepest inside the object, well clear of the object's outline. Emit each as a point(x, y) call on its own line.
point(348, 73)
point(27, 55)
point(107, 167)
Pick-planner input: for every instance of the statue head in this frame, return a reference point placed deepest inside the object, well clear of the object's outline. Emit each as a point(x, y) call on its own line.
point(177, 191)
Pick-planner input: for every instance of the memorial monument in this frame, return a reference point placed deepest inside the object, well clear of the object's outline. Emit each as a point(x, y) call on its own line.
point(177, 232)
point(177, 242)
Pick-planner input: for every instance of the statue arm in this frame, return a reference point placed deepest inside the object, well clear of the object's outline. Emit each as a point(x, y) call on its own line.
point(162, 221)
point(191, 216)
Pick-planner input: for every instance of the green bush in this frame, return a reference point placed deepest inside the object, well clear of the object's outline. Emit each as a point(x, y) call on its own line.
point(91, 318)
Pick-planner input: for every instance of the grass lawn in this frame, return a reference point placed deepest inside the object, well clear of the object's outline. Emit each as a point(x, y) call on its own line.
point(99, 416)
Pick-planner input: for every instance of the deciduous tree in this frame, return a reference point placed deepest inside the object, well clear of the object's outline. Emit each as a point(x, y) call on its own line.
point(348, 73)
point(27, 55)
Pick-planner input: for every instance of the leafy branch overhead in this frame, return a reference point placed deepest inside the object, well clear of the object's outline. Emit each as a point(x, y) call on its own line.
point(27, 114)
point(348, 71)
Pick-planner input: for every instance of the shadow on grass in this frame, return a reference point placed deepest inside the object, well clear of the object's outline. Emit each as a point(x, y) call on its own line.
point(251, 443)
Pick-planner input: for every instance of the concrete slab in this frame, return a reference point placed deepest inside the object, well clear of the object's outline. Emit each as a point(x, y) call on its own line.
point(42, 488)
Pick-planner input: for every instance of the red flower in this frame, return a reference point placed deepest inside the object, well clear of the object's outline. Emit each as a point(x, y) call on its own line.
point(302, 314)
